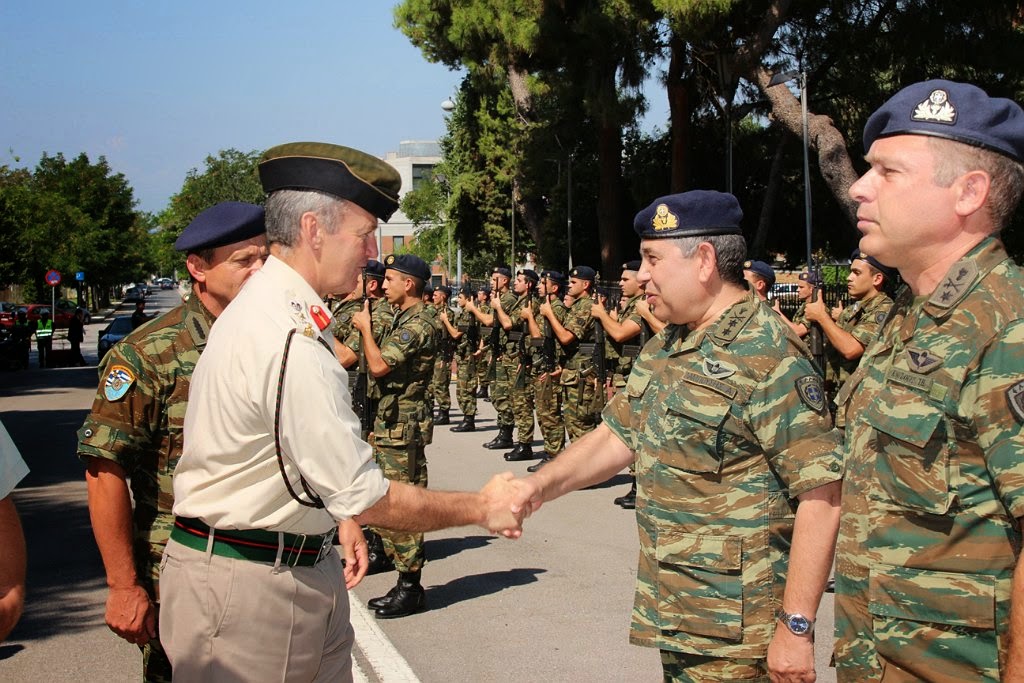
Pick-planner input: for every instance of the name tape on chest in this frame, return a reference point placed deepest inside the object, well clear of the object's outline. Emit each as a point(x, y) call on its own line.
point(716, 385)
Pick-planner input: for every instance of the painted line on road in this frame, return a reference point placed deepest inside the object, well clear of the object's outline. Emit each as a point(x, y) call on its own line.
point(388, 665)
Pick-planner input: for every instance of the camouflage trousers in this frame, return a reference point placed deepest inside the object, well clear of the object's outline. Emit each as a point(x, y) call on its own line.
point(466, 383)
point(406, 464)
point(483, 366)
point(581, 402)
point(548, 400)
point(501, 390)
point(523, 403)
point(156, 668)
point(439, 393)
point(682, 667)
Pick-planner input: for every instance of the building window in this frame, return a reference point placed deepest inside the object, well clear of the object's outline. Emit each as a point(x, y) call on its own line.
point(421, 173)
point(398, 244)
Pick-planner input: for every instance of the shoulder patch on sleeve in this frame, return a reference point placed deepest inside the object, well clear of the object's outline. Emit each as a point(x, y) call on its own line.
point(811, 392)
point(405, 336)
point(1015, 397)
point(119, 380)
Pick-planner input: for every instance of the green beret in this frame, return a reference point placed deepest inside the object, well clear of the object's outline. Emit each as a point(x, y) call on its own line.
point(343, 172)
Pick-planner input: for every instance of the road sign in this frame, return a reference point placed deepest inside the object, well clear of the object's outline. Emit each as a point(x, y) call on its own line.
point(80, 276)
point(52, 278)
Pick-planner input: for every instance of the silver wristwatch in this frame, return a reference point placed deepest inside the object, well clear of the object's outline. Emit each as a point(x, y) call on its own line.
point(796, 623)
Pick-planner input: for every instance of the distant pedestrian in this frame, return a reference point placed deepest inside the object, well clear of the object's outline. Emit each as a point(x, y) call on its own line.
point(140, 317)
point(76, 335)
point(44, 337)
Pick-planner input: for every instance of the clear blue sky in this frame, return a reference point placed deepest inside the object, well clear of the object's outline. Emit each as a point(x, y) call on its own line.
point(156, 86)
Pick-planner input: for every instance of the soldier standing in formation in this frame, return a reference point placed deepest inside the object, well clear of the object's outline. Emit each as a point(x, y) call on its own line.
point(581, 396)
point(135, 428)
point(483, 354)
point(707, 590)
point(808, 281)
point(465, 334)
point(625, 336)
point(518, 354)
point(442, 379)
point(503, 364)
point(547, 362)
point(402, 365)
point(760, 276)
point(347, 342)
point(853, 328)
point(929, 583)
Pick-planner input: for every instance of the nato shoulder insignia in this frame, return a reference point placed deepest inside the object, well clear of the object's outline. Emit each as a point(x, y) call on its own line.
point(811, 392)
point(119, 380)
point(1015, 398)
point(405, 336)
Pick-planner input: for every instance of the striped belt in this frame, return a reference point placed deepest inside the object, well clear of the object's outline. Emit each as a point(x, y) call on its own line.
point(257, 545)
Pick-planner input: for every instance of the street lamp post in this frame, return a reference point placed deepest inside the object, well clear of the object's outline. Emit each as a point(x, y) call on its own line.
point(448, 107)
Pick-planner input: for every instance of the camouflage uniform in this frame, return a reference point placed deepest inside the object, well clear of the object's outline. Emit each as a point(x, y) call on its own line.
point(140, 429)
point(729, 426)
point(440, 384)
point(579, 389)
point(934, 481)
point(520, 368)
point(403, 425)
point(862, 320)
point(440, 333)
point(483, 361)
point(547, 390)
point(505, 363)
point(382, 317)
point(800, 317)
point(341, 325)
point(466, 362)
point(625, 352)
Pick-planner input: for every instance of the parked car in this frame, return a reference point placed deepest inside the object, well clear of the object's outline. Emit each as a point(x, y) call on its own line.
point(146, 288)
point(8, 312)
point(61, 317)
point(165, 283)
point(119, 328)
point(134, 294)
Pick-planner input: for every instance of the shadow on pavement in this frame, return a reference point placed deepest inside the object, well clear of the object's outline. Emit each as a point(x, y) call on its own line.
point(467, 588)
point(441, 548)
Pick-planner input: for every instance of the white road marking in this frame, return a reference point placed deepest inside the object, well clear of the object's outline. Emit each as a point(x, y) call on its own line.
point(388, 665)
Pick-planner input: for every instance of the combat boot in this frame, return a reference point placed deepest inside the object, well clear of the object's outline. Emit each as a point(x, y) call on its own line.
point(502, 440)
point(384, 600)
point(544, 460)
point(442, 418)
point(628, 501)
point(482, 393)
point(468, 424)
point(377, 560)
point(408, 597)
point(522, 451)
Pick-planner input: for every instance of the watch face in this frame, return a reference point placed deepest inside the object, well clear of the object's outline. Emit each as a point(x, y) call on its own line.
point(798, 624)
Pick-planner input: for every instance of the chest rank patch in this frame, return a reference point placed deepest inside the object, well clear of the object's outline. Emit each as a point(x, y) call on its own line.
point(119, 380)
point(717, 370)
point(922, 360)
point(1015, 398)
point(811, 392)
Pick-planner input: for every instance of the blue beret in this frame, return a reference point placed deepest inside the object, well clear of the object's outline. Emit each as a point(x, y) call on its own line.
point(410, 264)
point(444, 289)
point(631, 265)
point(221, 224)
point(551, 275)
point(761, 268)
point(343, 172)
point(811, 278)
point(375, 269)
point(955, 111)
point(486, 289)
point(885, 270)
point(466, 291)
point(502, 270)
point(529, 274)
point(583, 273)
point(690, 214)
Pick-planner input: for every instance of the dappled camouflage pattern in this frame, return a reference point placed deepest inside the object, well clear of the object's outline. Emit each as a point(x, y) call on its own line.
point(623, 364)
point(724, 438)
point(504, 368)
point(466, 362)
point(934, 481)
point(440, 391)
point(483, 361)
point(547, 388)
point(403, 425)
point(800, 317)
point(341, 317)
point(142, 432)
point(862, 320)
point(519, 355)
point(580, 395)
point(382, 317)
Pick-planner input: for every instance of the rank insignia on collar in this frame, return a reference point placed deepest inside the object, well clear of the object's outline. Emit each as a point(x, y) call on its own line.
point(319, 316)
point(717, 370)
point(955, 285)
point(308, 331)
point(922, 360)
point(811, 392)
point(119, 380)
point(936, 108)
point(1015, 397)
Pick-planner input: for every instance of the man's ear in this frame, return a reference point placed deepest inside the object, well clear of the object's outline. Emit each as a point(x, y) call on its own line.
point(311, 230)
point(196, 267)
point(974, 187)
point(708, 261)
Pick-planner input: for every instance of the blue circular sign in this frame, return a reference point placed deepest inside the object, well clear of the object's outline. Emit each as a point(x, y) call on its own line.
point(52, 278)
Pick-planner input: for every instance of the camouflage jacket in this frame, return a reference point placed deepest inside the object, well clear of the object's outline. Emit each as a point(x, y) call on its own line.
point(137, 419)
point(409, 350)
point(579, 321)
point(863, 322)
point(511, 304)
point(469, 326)
point(341, 317)
point(625, 352)
point(800, 316)
point(728, 424)
point(934, 480)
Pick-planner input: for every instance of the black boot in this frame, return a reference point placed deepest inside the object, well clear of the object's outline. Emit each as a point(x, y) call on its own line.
point(522, 451)
point(482, 392)
point(544, 460)
point(628, 501)
point(384, 600)
point(442, 418)
point(468, 424)
point(378, 561)
point(408, 597)
point(502, 440)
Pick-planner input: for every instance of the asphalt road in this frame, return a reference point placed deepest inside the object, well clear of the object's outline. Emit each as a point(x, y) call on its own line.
point(553, 605)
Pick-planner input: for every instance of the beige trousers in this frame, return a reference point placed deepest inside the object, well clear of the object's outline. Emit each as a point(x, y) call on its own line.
point(223, 619)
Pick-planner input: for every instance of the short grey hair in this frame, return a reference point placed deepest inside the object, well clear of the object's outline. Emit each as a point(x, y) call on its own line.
point(954, 159)
point(730, 250)
point(285, 208)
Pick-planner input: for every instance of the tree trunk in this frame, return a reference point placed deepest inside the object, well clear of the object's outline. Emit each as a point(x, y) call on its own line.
point(530, 213)
point(679, 114)
point(771, 195)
